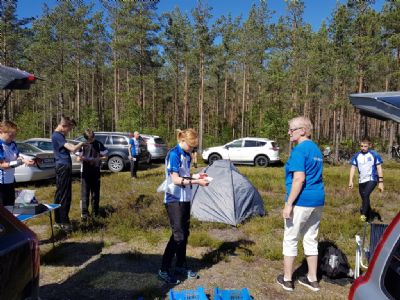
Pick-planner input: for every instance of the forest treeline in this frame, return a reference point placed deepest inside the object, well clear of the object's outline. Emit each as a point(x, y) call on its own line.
point(122, 66)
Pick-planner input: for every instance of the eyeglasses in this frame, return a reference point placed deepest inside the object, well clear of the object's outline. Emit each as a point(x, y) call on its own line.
point(291, 130)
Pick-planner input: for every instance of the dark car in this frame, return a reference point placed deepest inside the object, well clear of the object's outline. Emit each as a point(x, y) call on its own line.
point(117, 144)
point(19, 259)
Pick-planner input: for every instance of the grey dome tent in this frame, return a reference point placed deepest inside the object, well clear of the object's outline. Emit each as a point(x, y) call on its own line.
point(230, 198)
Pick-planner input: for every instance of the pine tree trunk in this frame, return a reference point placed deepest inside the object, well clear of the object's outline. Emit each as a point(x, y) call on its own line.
point(116, 80)
point(243, 100)
point(153, 115)
point(78, 89)
point(201, 101)
point(186, 97)
point(225, 94)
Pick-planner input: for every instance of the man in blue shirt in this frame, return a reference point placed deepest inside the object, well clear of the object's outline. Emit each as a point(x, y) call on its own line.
point(134, 153)
point(369, 165)
point(62, 150)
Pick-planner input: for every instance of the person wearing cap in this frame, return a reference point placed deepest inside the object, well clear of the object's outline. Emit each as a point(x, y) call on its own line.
point(62, 150)
point(9, 160)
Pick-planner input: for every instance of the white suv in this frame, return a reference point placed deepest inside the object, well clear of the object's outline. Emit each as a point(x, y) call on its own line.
point(254, 151)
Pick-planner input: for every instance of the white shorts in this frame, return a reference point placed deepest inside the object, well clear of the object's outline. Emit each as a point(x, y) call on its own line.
point(305, 223)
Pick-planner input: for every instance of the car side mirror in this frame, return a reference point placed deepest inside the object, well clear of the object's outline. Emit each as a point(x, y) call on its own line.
point(226, 146)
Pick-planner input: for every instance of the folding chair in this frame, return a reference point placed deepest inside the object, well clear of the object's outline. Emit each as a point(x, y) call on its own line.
point(364, 253)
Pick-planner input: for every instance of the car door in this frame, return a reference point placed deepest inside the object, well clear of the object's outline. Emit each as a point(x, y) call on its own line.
point(120, 145)
point(251, 149)
point(235, 150)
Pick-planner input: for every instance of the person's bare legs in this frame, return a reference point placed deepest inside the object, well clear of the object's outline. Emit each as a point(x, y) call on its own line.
point(312, 262)
point(288, 263)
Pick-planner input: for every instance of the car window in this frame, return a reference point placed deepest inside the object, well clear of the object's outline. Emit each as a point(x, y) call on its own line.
point(159, 141)
point(26, 148)
point(33, 143)
point(235, 144)
point(391, 276)
point(119, 140)
point(251, 143)
point(274, 145)
point(45, 145)
point(102, 139)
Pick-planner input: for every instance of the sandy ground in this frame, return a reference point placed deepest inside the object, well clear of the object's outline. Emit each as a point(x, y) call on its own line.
point(101, 269)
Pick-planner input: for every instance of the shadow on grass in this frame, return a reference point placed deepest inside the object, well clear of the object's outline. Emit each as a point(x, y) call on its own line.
point(71, 254)
point(112, 276)
point(127, 275)
point(226, 249)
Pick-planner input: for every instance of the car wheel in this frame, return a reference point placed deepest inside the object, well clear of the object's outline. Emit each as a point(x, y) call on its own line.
point(115, 164)
point(261, 161)
point(213, 157)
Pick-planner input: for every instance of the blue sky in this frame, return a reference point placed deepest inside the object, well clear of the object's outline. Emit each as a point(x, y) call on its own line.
point(316, 11)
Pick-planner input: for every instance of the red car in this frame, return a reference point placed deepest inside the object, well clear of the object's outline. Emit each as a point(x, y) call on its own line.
point(382, 279)
point(19, 259)
point(19, 246)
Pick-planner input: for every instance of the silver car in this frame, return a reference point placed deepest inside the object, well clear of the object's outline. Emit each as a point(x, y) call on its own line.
point(46, 145)
point(156, 146)
point(44, 167)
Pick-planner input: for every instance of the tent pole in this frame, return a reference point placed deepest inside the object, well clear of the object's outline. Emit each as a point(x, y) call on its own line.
point(233, 192)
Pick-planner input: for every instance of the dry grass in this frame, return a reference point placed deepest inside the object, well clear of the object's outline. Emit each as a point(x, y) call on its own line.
point(117, 255)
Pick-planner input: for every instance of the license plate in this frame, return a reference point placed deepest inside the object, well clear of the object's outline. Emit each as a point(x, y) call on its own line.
point(48, 160)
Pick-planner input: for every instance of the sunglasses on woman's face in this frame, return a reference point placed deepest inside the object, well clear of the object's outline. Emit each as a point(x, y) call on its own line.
point(291, 130)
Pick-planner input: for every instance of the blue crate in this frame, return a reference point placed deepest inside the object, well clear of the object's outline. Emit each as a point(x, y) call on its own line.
point(197, 294)
point(220, 294)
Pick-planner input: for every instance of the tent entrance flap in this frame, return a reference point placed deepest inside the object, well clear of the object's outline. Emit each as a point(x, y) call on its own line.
point(230, 198)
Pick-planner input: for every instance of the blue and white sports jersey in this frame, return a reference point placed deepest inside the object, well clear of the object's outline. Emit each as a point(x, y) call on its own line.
point(178, 161)
point(366, 164)
point(8, 152)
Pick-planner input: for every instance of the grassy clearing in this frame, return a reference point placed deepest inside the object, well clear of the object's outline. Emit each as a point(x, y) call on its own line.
point(133, 216)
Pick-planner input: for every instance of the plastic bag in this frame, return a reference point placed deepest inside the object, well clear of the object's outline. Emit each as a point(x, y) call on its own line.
point(167, 186)
point(25, 197)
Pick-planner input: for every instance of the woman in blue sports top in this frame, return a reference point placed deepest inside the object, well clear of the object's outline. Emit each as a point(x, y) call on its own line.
point(304, 202)
point(177, 203)
point(9, 160)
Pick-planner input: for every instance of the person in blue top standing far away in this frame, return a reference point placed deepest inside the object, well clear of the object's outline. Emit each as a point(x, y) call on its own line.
point(369, 165)
point(134, 152)
point(305, 197)
point(177, 201)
